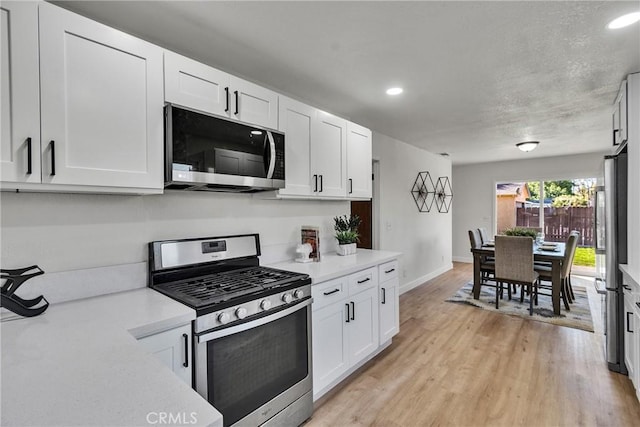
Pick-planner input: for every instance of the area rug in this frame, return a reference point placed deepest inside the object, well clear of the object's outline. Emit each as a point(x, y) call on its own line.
point(579, 317)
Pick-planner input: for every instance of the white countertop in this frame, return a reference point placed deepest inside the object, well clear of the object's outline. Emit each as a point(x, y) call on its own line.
point(79, 364)
point(333, 265)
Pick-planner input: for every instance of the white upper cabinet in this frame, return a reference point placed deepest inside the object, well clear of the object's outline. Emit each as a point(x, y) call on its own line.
point(620, 130)
point(328, 155)
point(198, 86)
point(358, 161)
point(254, 104)
point(295, 119)
point(195, 85)
point(101, 104)
point(20, 108)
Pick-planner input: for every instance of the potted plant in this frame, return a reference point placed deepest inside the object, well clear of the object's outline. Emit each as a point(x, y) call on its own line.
point(521, 231)
point(346, 227)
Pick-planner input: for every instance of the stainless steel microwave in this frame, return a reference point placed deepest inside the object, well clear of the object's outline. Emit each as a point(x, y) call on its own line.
point(204, 152)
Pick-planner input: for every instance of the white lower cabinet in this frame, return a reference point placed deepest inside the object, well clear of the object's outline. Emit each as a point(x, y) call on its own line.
point(346, 324)
point(388, 298)
point(173, 348)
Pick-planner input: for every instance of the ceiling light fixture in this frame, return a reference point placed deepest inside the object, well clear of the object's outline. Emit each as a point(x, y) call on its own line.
point(624, 21)
point(527, 145)
point(394, 91)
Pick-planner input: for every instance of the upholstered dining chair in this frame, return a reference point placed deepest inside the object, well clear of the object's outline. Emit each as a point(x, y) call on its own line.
point(486, 267)
point(514, 265)
point(565, 272)
point(484, 235)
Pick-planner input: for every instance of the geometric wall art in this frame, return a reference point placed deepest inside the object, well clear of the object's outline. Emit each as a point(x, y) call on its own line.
point(444, 194)
point(423, 191)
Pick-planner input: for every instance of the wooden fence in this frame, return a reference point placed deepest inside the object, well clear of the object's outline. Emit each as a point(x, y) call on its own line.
point(559, 222)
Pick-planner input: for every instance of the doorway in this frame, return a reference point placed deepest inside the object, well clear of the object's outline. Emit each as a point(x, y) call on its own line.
point(368, 210)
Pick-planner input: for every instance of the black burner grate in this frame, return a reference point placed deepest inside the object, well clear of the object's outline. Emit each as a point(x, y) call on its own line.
point(225, 286)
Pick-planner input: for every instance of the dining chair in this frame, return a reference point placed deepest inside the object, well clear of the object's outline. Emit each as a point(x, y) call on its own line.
point(487, 267)
point(484, 235)
point(514, 265)
point(565, 272)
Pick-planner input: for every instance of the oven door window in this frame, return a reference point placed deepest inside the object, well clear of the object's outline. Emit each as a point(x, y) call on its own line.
point(248, 369)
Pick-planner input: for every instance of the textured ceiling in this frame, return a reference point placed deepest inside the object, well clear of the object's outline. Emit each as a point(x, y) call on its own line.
point(478, 76)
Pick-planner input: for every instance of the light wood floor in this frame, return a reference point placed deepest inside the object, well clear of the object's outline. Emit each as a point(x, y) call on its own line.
point(457, 365)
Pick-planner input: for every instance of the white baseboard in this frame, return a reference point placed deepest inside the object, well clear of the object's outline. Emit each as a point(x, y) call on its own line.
point(419, 281)
point(468, 260)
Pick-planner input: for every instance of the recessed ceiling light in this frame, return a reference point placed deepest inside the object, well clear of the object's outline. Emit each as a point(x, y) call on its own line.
point(256, 132)
point(624, 20)
point(527, 145)
point(394, 91)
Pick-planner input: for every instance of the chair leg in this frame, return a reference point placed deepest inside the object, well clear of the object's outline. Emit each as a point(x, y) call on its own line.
point(563, 294)
point(509, 291)
point(565, 284)
point(531, 297)
point(573, 297)
point(498, 291)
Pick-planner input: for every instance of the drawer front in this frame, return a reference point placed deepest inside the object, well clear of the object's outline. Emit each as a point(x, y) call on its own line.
point(329, 292)
point(388, 270)
point(363, 280)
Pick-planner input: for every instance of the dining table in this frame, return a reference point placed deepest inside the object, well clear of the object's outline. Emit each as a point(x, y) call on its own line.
point(541, 253)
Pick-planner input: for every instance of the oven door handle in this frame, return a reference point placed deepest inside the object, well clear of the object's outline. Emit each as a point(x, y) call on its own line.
point(254, 323)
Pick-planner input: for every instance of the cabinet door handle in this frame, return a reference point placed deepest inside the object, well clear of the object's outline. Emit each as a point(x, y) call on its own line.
point(331, 292)
point(320, 183)
point(389, 271)
point(350, 185)
point(626, 287)
point(628, 322)
point(364, 280)
point(384, 296)
point(186, 350)
point(638, 304)
point(226, 91)
point(235, 92)
point(353, 311)
point(315, 183)
point(347, 304)
point(52, 146)
point(29, 156)
point(614, 135)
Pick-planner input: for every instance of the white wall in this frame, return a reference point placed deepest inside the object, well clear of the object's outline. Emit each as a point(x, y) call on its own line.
point(474, 189)
point(61, 232)
point(423, 238)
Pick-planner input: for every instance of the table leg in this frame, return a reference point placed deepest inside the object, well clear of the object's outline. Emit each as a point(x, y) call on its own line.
point(556, 266)
point(476, 276)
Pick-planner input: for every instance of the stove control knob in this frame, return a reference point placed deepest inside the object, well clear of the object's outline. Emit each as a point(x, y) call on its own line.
point(241, 313)
point(224, 318)
point(287, 298)
point(298, 294)
point(265, 304)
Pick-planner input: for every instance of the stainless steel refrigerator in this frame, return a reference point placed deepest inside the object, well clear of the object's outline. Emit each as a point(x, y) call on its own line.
point(611, 250)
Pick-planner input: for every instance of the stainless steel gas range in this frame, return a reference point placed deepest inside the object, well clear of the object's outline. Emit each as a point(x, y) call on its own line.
point(252, 334)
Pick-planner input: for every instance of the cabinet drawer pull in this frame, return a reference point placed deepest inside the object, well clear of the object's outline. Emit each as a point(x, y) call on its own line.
point(389, 271)
point(331, 292)
point(29, 156)
point(52, 146)
point(320, 183)
point(235, 92)
point(347, 304)
point(350, 185)
point(315, 183)
point(384, 296)
point(186, 350)
point(364, 280)
point(626, 287)
point(226, 91)
point(628, 322)
point(614, 136)
point(353, 311)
